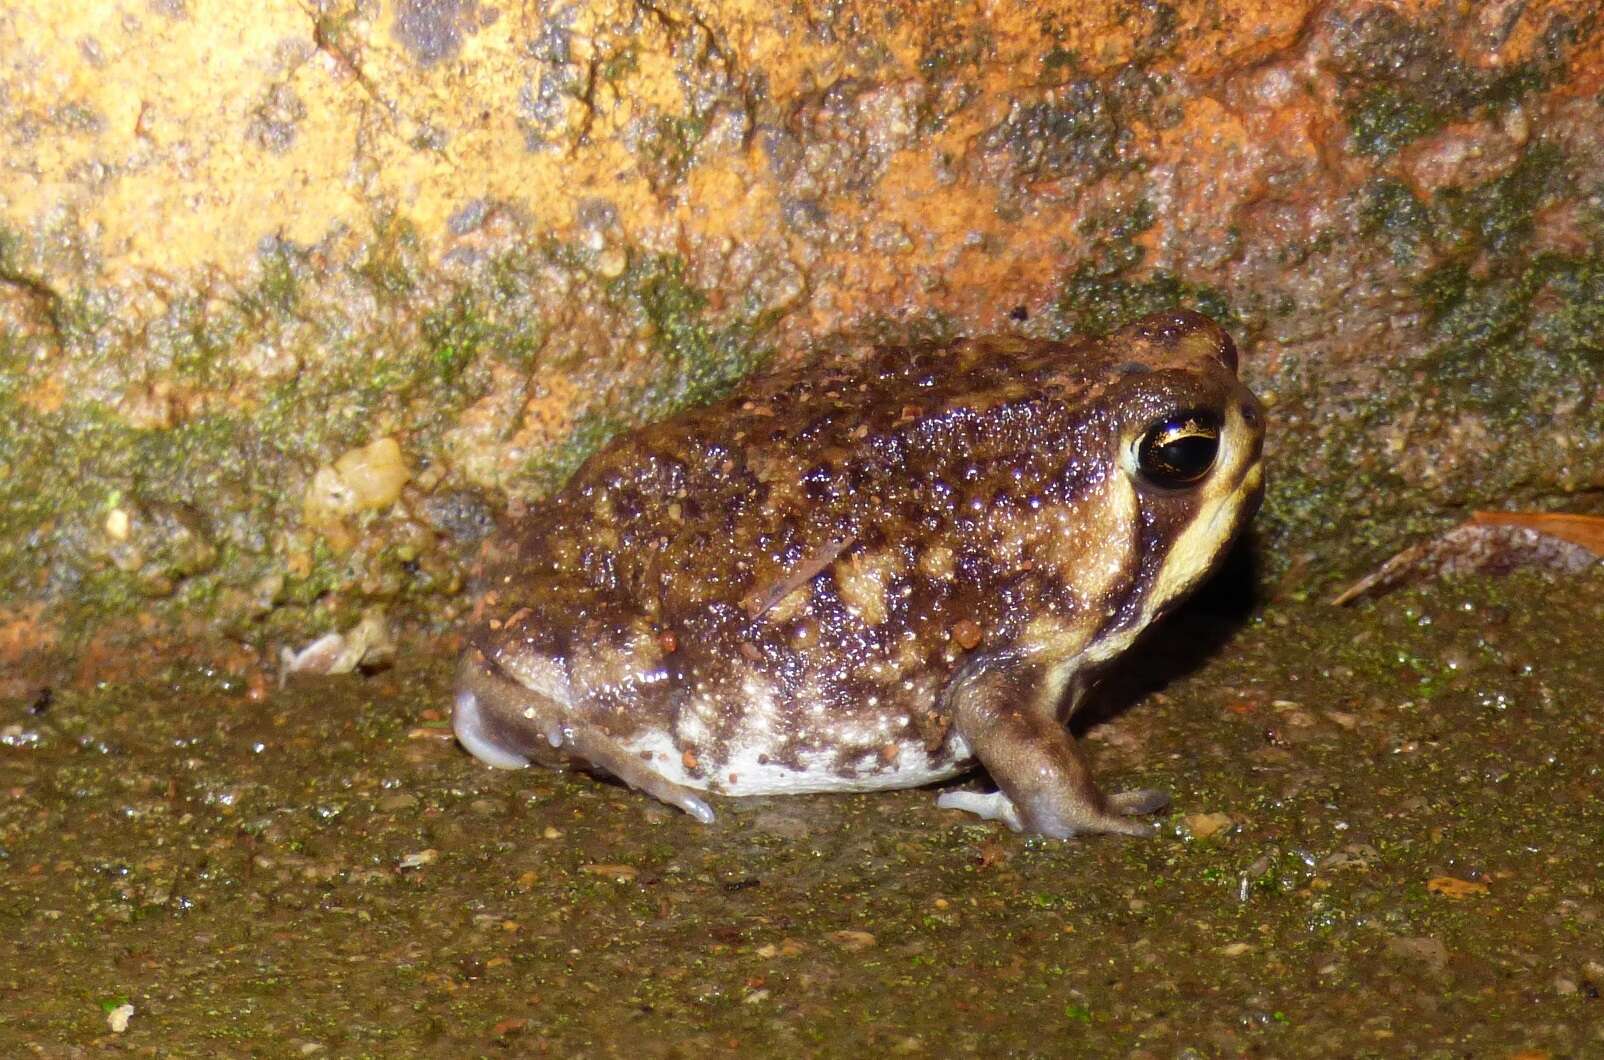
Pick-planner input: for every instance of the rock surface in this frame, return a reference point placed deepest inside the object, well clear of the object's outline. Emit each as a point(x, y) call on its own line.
point(240, 248)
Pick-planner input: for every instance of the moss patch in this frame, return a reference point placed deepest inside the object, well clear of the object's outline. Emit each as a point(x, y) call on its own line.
point(1400, 82)
point(264, 384)
point(701, 361)
point(1109, 288)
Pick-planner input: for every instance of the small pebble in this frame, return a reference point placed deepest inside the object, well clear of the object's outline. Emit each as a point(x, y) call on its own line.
point(787, 947)
point(419, 859)
point(852, 941)
point(1203, 825)
point(1427, 951)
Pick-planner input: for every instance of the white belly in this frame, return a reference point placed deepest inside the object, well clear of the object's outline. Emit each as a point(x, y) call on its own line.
point(754, 767)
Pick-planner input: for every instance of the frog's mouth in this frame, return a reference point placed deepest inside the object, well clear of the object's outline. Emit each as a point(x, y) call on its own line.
point(1251, 492)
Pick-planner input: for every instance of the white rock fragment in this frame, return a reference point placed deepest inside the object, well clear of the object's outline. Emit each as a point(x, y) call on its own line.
point(117, 1019)
point(340, 653)
point(366, 478)
point(419, 859)
point(327, 498)
point(374, 473)
point(117, 524)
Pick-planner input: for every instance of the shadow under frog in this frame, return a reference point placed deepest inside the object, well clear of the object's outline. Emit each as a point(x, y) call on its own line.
point(877, 571)
point(1194, 632)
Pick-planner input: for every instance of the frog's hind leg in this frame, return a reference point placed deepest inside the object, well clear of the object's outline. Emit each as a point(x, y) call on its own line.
point(606, 755)
point(1044, 784)
point(509, 725)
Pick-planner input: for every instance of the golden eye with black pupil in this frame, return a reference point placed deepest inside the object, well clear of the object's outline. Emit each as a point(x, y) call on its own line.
point(1179, 450)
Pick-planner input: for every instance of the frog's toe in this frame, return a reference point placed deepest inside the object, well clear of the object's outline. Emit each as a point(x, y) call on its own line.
point(1126, 826)
point(661, 788)
point(997, 806)
point(988, 806)
point(604, 753)
point(1138, 802)
point(468, 722)
point(696, 806)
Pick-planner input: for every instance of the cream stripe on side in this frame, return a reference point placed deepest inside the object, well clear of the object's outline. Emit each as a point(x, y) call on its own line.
point(1196, 549)
point(1051, 638)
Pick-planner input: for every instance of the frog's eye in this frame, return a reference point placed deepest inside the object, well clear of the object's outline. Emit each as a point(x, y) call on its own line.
point(1179, 450)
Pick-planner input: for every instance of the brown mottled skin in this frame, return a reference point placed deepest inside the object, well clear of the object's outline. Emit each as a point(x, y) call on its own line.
point(869, 572)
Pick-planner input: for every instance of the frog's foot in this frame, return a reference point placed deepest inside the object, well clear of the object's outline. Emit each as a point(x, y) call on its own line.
point(1044, 784)
point(477, 733)
point(508, 726)
point(1139, 802)
point(605, 755)
point(996, 806)
point(988, 806)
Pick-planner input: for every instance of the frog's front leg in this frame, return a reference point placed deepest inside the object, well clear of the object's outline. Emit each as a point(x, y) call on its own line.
point(1044, 785)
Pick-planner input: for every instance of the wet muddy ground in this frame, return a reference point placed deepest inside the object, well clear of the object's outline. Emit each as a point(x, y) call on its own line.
point(1387, 840)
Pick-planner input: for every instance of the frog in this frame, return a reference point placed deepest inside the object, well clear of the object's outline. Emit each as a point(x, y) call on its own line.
point(880, 568)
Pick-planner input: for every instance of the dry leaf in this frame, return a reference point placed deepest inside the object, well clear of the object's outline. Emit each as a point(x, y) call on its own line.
point(1584, 530)
point(1494, 542)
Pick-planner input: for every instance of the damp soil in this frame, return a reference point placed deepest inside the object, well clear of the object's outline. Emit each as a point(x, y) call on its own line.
point(1387, 839)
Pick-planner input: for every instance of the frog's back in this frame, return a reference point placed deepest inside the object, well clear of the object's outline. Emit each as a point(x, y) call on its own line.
point(731, 501)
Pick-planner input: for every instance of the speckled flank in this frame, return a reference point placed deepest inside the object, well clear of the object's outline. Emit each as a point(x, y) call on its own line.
point(772, 593)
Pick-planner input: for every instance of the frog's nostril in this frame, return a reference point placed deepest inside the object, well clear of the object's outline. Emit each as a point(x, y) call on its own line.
point(1251, 415)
